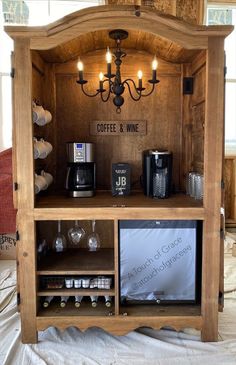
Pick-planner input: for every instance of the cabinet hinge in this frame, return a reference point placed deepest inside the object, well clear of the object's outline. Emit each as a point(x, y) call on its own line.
point(18, 298)
point(12, 73)
point(17, 236)
point(222, 234)
point(16, 186)
point(221, 298)
point(222, 184)
point(225, 71)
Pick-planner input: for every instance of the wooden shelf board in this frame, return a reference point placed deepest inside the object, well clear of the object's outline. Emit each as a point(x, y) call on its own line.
point(85, 309)
point(104, 205)
point(177, 317)
point(72, 292)
point(161, 310)
point(78, 262)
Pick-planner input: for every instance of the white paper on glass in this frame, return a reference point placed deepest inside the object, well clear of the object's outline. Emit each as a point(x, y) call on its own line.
point(158, 263)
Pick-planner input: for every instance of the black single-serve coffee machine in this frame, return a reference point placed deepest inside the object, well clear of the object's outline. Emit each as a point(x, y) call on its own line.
point(157, 173)
point(80, 178)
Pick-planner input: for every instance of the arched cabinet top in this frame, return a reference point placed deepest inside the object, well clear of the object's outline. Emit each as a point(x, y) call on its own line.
point(108, 17)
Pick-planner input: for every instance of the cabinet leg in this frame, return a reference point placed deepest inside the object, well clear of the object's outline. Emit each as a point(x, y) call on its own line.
point(210, 331)
point(29, 333)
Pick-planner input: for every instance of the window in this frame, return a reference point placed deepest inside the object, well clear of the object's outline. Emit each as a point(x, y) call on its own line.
point(221, 14)
point(26, 12)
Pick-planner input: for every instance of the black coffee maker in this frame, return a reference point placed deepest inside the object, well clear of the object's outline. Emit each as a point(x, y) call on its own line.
point(157, 173)
point(80, 179)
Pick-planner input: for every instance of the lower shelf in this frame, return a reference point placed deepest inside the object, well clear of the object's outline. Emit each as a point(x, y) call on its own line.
point(153, 310)
point(85, 309)
point(176, 317)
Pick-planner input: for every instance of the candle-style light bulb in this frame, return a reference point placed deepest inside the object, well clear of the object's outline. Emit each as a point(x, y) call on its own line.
point(108, 59)
point(140, 75)
point(108, 56)
point(154, 63)
point(80, 67)
point(101, 81)
point(154, 69)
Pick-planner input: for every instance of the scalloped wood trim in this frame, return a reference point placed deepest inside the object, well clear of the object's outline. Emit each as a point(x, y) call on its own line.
point(120, 325)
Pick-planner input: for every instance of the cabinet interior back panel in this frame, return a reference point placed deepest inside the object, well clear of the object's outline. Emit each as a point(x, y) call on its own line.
point(161, 110)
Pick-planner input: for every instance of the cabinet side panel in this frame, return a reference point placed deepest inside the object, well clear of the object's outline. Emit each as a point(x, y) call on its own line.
point(212, 186)
point(27, 278)
point(23, 123)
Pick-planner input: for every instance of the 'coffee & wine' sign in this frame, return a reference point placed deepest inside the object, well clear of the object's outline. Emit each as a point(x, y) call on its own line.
point(109, 128)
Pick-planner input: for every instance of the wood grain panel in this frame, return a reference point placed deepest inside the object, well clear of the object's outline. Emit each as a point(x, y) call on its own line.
point(161, 110)
point(48, 230)
point(27, 276)
point(23, 123)
point(199, 86)
point(109, 17)
point(117, 325)
point(137, 39)
point(230, 188)
point(214, 126)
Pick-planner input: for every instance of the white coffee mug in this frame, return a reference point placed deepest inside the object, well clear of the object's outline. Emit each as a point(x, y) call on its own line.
point(48, 147)
point(39, 115)
point(48, 178)
point(39, 183)
point(40, 149)
point(48, 116)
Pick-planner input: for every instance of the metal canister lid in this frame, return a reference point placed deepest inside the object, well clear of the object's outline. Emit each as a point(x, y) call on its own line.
point(159, 152)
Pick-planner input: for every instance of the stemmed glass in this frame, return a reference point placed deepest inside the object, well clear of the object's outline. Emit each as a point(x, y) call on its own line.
point(59, 242)
point(93, 241)
point(76, 233)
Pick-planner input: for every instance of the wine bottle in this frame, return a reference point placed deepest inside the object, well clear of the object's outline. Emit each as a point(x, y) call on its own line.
point(108, 301)
point(63, 302)
point(47, 301)
point(78, 300)
point(94, 301)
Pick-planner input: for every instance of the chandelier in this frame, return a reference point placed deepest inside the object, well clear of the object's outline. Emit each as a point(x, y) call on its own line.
point(112, 84)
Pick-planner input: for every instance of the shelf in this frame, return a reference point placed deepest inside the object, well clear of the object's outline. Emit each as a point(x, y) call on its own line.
point(78, 262)
point(179, 206)
point(161, 310)
point(73, 292)
point(177, 317)
point(85, 309)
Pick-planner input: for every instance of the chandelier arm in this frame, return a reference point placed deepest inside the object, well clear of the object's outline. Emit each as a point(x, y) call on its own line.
point(109, 92)
point(150, 92)
point(133, 83)
point(130, 91)
point(90, 95)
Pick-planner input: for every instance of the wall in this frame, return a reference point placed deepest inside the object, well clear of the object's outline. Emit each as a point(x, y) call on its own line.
point(193, 112)
point(161, 110)
point(43, 94)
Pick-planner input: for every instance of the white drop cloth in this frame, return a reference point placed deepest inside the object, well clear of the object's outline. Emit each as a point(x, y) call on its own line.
point(95, 346)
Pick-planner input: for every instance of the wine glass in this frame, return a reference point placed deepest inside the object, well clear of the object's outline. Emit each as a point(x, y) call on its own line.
point(93, 241)
point(59, 242)
point(76, 233)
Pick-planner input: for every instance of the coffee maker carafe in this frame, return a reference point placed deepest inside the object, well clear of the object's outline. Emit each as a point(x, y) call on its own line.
point(80, 179)
point(157, 173)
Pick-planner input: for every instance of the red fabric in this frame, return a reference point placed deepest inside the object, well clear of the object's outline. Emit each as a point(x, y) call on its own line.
point(7, 211)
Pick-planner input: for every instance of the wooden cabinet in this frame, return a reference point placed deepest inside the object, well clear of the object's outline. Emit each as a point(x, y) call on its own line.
point(191, 126)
